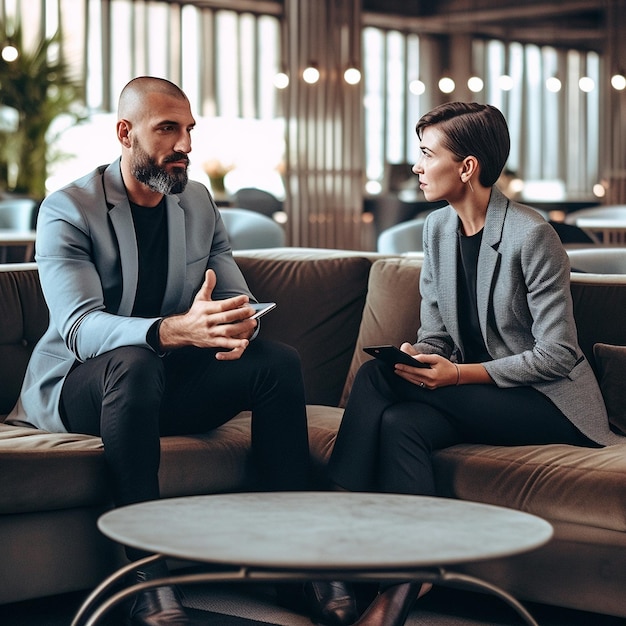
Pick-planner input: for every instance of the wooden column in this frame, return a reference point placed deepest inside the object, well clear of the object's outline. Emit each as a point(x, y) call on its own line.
point(614, 106)
point(324, 177)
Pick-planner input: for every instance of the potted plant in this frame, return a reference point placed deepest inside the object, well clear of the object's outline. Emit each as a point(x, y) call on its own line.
point(36, 87)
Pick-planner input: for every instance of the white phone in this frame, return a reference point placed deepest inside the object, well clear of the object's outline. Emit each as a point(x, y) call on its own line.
point(261, 308)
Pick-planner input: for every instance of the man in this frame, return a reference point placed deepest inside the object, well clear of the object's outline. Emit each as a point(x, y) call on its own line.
point(150, 331)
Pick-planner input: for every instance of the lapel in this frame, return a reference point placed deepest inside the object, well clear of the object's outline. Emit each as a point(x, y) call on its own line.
point(122, 222)
point(448, 263)
point(489, 256)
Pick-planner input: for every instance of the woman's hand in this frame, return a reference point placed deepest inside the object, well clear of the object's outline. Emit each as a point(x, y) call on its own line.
point(441, 373)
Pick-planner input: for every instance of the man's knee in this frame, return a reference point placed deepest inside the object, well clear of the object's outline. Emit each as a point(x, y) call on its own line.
point(276, 353)
point(136, 368)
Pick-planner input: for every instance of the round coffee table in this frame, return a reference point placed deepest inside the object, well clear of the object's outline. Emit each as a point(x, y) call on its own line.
point(316, 535)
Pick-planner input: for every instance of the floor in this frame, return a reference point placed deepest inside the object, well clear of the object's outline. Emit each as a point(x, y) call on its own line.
point(244, 604)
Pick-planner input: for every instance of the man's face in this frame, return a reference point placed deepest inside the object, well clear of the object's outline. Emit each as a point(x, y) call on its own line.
point(160, 143)
point(162, 178)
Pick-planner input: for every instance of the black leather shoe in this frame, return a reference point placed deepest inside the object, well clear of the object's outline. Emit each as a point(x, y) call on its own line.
point(160, 606)
point(331, 603)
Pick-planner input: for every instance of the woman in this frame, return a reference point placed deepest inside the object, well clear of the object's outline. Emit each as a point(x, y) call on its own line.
point(497, 330)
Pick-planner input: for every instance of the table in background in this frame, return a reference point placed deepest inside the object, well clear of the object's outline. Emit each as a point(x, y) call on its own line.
point(309, 536)
point(607, 230)
point(12, 238)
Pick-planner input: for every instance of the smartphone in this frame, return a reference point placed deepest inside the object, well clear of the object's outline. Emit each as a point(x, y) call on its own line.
point(261, 308)
point(392, 355)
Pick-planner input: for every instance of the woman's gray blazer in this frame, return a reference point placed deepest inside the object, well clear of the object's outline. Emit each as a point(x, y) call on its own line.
point(86, 253)
point(524, 308)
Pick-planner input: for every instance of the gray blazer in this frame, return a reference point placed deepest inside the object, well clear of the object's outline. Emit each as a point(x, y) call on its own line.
point(524, 307)
point(86, 252)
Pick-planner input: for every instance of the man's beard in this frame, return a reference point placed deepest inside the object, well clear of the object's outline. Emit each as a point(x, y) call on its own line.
point(146, 170)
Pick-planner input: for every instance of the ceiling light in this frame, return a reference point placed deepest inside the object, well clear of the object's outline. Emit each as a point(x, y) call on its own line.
point(475, 84)
point(352, 76)
point(446, 85)
point(586, 84)
point(311, 74)
point(553, 84)
point(505, 82)
point(10, 53)
point(618, 81)
point(417, 87)
point(281, 80)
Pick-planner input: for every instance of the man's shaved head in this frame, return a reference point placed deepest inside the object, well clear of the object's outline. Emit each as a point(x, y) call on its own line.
point(153, 126)
point(132, 102)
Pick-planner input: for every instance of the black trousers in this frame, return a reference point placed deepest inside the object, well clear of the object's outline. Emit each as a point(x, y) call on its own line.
point(391, 427)
point(131, 397)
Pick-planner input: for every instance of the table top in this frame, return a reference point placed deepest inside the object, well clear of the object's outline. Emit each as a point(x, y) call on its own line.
point(601, 222)
point(339, 531)
point(19, 237)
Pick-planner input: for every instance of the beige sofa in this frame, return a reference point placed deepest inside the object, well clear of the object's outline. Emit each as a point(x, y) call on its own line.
point(330, 304)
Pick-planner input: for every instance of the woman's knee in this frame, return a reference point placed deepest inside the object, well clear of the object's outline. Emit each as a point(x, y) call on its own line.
point(396, 422)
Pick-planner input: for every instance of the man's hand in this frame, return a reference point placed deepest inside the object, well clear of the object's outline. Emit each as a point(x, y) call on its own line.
point(211, 323)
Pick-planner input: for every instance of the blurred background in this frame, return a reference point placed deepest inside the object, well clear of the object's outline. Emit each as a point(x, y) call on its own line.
point(315, 101)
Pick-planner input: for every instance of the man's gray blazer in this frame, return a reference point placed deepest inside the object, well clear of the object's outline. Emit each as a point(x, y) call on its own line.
point(524, 308)
point(86, 252)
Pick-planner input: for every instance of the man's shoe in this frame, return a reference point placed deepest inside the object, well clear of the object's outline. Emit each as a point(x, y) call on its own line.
point(160, 606)
point(331, 603)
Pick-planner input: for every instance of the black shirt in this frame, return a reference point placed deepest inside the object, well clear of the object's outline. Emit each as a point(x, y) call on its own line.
point(151, 233)
point(474, 347)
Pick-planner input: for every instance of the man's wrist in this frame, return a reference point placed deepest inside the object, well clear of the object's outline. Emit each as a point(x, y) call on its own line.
point(153, 336)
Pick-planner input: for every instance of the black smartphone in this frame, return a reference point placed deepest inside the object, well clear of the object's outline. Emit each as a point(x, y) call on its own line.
point(261, 308)
point(392, 355)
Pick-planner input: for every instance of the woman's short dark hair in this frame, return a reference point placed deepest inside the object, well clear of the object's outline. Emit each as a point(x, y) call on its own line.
point(474, 129)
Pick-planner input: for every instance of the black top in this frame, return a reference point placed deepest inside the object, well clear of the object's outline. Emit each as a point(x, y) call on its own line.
point(151, 233)
point(474, 348)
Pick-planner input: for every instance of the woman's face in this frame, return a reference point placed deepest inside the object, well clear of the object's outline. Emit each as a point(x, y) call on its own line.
point(438, 170)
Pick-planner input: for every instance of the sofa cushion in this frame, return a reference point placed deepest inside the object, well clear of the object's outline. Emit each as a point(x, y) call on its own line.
point(611, 371)
point(599, 305)
point(44, 471)
point(558, 482)
point(392, 310)
point(24, 318)
point(321, 322)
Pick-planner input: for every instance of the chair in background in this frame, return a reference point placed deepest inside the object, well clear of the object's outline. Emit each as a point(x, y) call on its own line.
point(570, 233)
point(257, 200)
point(17, 213)
point(615, 212)
point(404, 237)
point(17, 224)
point(248, 230)
point(599, 260)
point(607, 222)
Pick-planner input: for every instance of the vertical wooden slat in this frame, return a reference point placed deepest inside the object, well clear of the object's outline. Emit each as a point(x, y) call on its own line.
point(324, 122)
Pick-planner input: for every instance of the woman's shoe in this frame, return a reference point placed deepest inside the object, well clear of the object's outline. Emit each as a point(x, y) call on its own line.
point(392, 605)
point(331, 603)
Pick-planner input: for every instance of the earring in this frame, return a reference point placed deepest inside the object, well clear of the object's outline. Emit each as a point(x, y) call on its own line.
point(469, 182)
